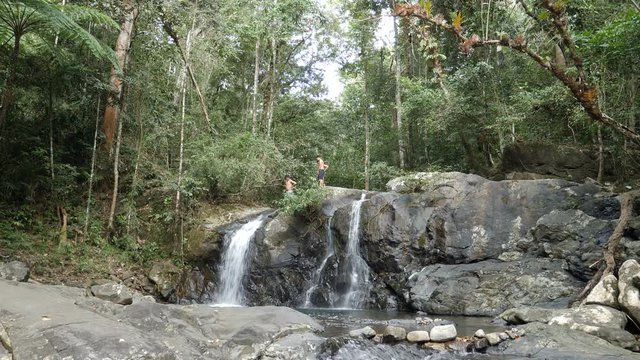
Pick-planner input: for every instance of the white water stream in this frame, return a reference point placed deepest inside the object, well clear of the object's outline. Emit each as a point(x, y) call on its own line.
point(358, 269)
point(234, 264)
point(317, 276)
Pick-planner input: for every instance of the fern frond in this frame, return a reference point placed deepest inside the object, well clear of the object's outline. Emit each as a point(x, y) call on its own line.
point(51, 17)
point(83, 14)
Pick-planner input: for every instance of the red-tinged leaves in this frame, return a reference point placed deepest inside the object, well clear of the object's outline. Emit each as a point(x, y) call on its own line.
point(466, 47)
point(519, 41)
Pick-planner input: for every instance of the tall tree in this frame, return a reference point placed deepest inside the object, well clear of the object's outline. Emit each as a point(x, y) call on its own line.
point(116, 100)
point(123, 43)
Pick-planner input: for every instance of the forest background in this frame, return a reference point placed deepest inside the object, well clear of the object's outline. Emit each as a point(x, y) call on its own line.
point(109, 154)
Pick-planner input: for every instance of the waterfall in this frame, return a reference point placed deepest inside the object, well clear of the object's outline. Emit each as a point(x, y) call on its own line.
point(356, 266)
point(234, 264)
point(317, 275)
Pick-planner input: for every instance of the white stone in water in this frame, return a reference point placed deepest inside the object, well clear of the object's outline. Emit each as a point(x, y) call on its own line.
point(605, 292)
point(365, 332)
point(394, 333)
point(479, 333)
point(493, 338)
point(442, 333)
point(418, 336)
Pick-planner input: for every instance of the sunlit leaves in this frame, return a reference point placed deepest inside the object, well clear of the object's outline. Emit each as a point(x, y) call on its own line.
point(427, 6)
point(456, 20)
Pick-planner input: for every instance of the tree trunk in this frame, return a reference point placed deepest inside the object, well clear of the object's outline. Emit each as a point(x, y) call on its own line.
point(600, 154)
point(401, 147)
point(254, 105)
point(272, 85)
point(7, 94)
point(91, 174)
point(366, 144)
point(180, 164)
point(116, 175)
point(62, 235)
point(111, 112)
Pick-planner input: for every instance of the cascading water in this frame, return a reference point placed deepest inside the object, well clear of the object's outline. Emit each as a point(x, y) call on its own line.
point(234, 264)
point(317, 276)
point(356, 266)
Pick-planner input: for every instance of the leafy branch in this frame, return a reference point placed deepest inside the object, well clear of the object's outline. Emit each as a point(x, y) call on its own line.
point(583, 92)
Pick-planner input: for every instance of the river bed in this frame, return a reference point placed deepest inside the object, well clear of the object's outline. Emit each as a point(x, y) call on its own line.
point(338, 323)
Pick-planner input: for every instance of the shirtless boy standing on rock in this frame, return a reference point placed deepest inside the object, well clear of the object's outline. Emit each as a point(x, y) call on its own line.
point(321, 169)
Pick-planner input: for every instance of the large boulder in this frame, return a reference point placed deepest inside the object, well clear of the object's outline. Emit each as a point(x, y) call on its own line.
point(52, 322)
point(629, 286)
point(454, 217)
point(165, 275)
point(601, 321)
point(564, 162)
point(15, 271)
point(114, 292)
point(490, 287)
point(574, 236)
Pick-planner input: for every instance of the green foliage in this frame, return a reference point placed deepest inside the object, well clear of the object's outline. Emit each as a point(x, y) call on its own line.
point(302, 201)
point(242, 166)
point(40, 14)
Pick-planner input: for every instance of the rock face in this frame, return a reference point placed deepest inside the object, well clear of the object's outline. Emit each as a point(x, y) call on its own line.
point(574, 236)
point(444, 243)
point(552, 161)
point(58, 322)
point(490, 287)
point(14, 270)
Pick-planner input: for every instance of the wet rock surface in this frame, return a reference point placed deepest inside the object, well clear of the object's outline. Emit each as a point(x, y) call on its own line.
point(59, 322)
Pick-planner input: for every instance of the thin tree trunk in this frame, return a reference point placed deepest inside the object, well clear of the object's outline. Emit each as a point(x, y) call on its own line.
point(112, 110)
point(116, 176)
point(91, 174)
point(600, 154)
point(7, 94)
point(50, 118)
point(366, 143)
point(180, 164)
point(254, 105)
point(401, 148)
point(62, 237)
point(272, 85)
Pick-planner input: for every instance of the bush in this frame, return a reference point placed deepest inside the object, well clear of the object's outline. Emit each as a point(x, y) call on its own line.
point(302, 201)
point(243, 166)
